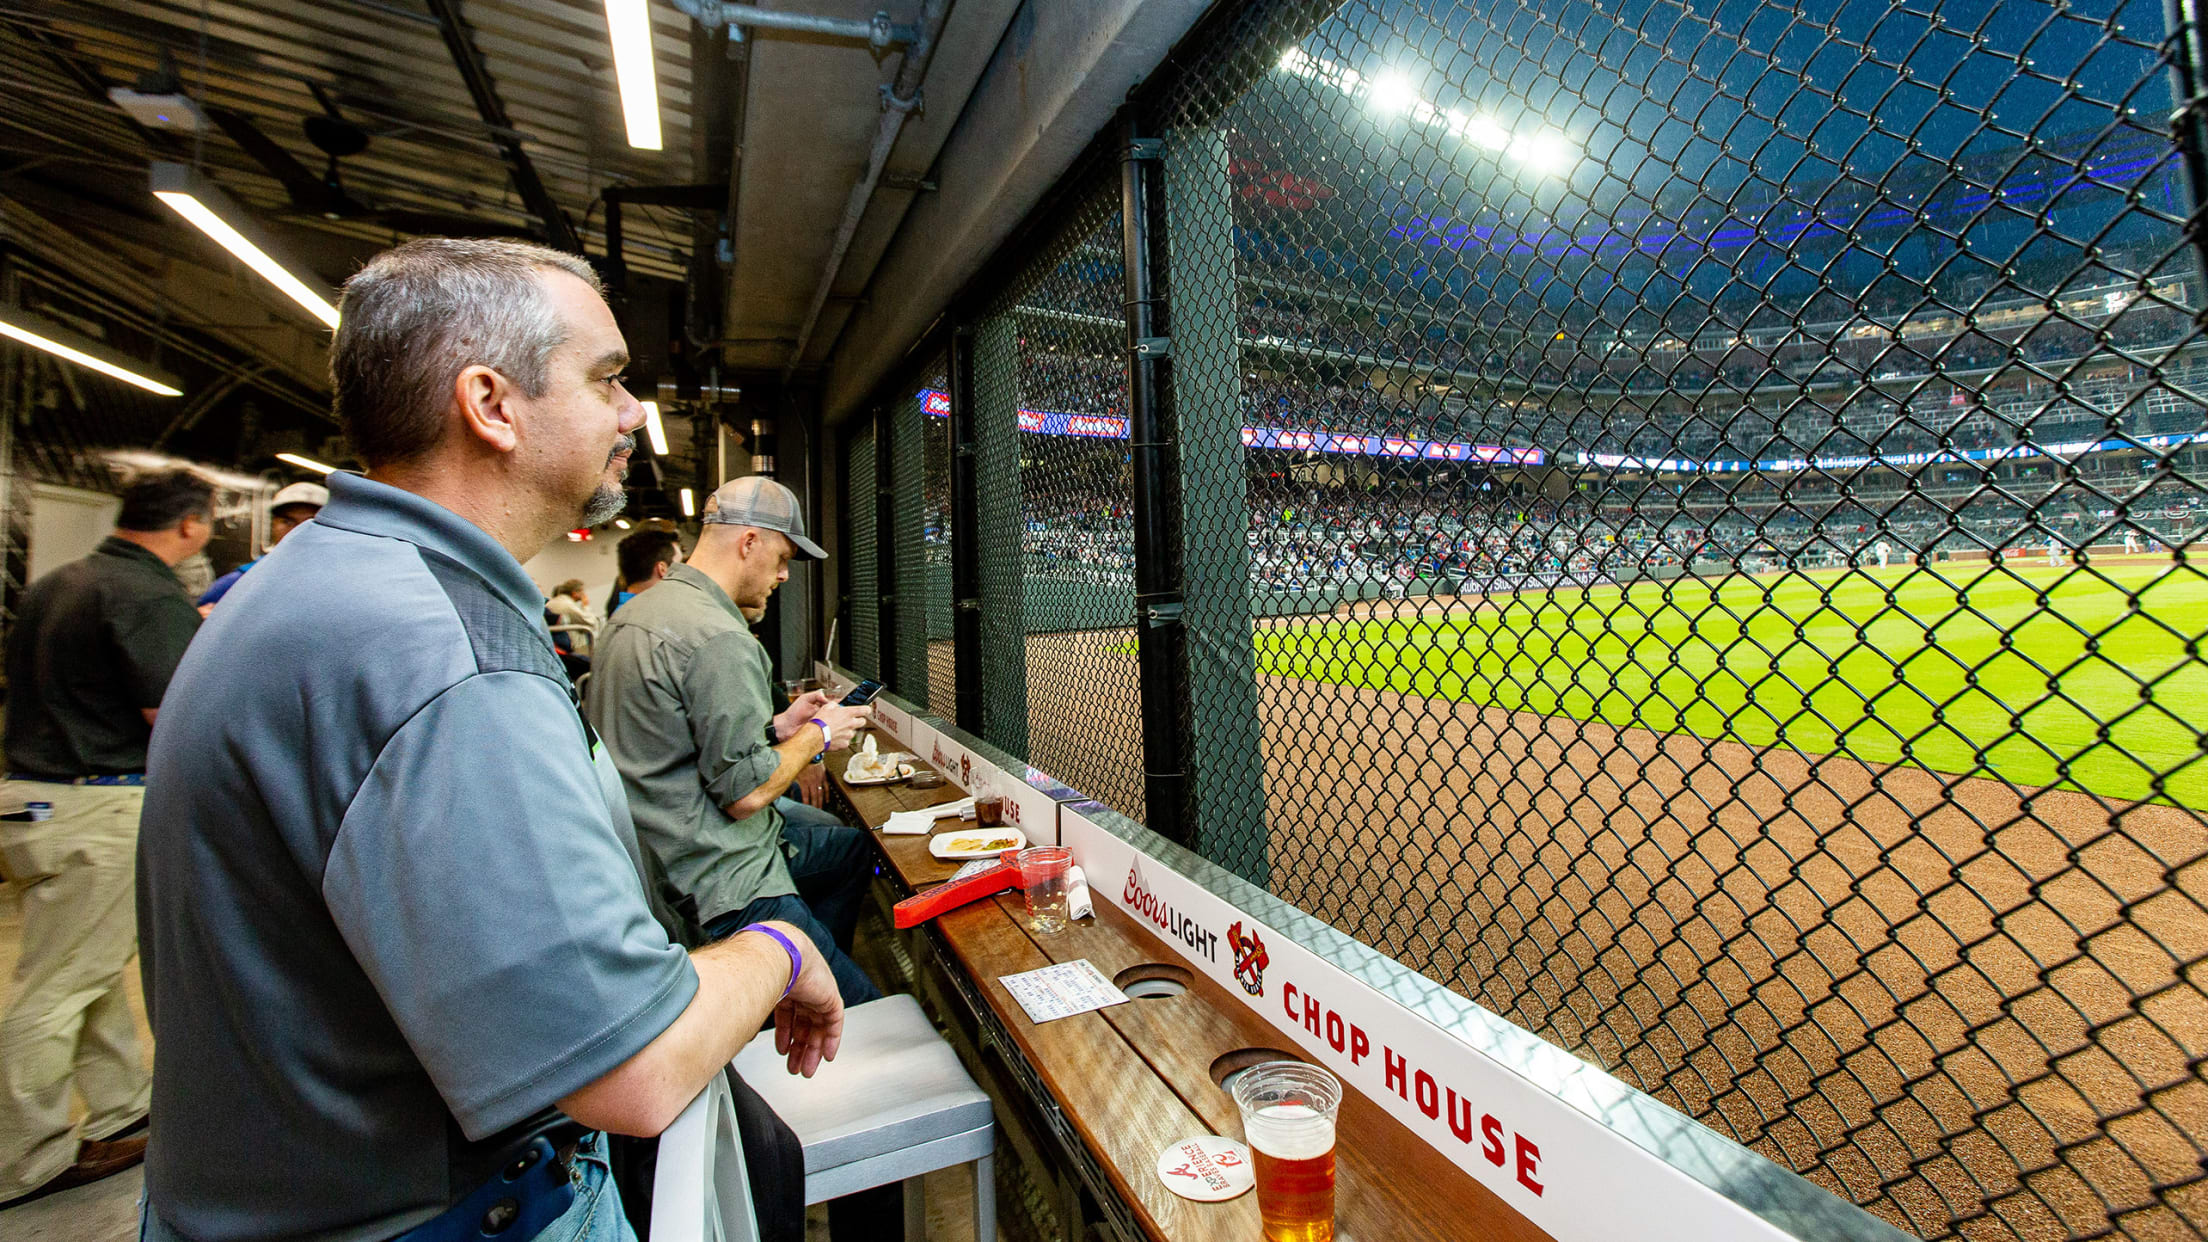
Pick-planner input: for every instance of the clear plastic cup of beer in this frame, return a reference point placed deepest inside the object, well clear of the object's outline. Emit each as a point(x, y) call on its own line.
point(1288, 1111)
point(1045, 871)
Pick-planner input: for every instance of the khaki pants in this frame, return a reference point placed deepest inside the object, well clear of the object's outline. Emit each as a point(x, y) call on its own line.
point(68, 1025)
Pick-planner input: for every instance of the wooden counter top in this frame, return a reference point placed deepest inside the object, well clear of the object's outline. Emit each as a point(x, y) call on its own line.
point(1133, 1078)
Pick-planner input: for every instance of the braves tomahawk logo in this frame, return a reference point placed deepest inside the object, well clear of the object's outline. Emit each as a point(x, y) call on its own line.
point(1249, 959)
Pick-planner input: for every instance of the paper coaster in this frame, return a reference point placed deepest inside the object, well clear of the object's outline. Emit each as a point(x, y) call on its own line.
point(1207, 1168)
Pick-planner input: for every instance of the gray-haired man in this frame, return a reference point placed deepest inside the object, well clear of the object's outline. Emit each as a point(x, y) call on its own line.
point(397, 953)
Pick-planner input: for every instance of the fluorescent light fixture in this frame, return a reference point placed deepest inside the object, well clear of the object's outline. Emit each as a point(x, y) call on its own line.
point(629, 26)
point(40, 333)
point(620, 523)
point(689, 504)
point(655, 430)
point(306, 463)
point(212, 212)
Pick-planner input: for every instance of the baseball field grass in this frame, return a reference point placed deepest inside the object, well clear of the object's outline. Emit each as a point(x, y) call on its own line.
point(2037, 675)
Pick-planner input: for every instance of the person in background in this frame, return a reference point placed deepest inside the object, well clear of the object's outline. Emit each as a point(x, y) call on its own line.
point(292, 506)
point(91, 654)
point(644, 557)
point(398, 948)
point(569, 606)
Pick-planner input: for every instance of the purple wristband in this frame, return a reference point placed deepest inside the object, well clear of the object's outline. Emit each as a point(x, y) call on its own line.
point(797, 960)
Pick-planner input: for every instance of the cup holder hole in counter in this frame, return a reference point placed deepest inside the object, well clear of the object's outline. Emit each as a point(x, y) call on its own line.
point(1228, 1067)
point(1152, 981)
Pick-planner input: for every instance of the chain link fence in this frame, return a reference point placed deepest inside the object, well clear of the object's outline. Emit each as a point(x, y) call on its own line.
point(1685, 521)
point(1050, 373)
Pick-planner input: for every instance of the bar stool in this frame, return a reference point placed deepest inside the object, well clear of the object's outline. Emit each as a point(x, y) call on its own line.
point(894, 1104)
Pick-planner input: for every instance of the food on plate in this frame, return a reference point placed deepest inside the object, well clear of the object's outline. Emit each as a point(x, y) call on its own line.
point(869, 764)
point(968, 845)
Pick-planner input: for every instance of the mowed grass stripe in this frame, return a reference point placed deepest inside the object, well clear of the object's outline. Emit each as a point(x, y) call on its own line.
point(2039, 676)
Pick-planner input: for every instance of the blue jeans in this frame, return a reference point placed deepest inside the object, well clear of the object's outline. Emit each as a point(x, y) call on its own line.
point(831, 863)
point(595, 1216)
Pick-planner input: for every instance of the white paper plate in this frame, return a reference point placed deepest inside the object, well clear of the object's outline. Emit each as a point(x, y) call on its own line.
point(940, 844)
point(895, 757)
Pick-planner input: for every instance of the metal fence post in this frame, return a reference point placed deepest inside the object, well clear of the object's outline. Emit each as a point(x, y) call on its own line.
point(859, 648)
point(995, 538)
point(1225, 743)
point(906, 503)
point(887, 578)
point(2188, 61)
point(1154, 472)
point(966, 608)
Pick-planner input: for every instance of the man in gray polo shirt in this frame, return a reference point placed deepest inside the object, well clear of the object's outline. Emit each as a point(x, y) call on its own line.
point(392, 924)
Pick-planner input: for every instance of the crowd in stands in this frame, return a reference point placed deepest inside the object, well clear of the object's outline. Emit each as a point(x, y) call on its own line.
point(1400, 531)
point(2047, 355)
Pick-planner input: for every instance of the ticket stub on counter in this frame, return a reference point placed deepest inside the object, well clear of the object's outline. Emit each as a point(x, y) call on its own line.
point(1062, 991)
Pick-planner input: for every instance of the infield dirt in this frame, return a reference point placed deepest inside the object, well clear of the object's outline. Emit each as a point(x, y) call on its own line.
point(1971, 1007)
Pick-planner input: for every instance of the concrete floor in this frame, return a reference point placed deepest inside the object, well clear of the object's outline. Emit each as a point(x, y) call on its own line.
point(107, 1211)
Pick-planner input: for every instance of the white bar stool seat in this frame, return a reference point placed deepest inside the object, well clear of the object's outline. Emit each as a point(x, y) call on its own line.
point(894, 1104)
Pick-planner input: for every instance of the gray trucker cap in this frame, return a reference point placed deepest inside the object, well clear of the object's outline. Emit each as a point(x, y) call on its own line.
point(756, 500)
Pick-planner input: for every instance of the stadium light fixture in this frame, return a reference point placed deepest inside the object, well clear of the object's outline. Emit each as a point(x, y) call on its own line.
point(689, 503)
point(1543, 151)
point(1393, 94)
point(202, 203)
point(655, 430)
point(307, 463)
point(41, 333)
point(1480, 129)
point(629, 27)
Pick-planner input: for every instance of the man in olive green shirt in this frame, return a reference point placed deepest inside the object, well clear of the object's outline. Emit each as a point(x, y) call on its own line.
point(683, 697)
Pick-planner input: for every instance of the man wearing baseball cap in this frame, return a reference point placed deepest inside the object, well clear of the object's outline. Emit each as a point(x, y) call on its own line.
point(684, 697)
point(293, 507)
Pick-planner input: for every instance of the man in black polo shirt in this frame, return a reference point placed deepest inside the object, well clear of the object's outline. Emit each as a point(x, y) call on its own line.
point(88, 660)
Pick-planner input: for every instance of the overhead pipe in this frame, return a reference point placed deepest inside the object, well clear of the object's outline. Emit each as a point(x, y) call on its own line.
point(900, 99)
point(877, 32)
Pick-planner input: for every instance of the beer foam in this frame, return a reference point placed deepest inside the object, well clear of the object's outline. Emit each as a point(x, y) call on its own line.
point(1290, 1131)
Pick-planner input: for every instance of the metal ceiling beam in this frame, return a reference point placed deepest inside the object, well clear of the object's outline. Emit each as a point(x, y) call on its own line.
point(1043, 97)
point(460, 40)
point(899, 98)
